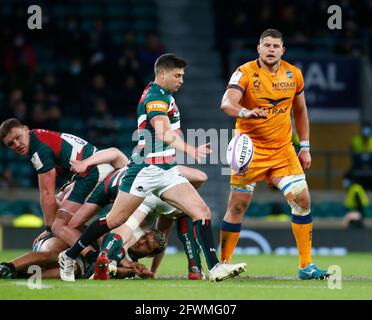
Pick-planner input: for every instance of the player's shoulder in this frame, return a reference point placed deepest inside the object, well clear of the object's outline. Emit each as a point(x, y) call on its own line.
point(157, 93)
point(43, 133)
point(248, 66)
point(285, 64)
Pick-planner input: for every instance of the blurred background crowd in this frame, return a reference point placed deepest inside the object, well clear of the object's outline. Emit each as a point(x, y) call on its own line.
point(84, 71)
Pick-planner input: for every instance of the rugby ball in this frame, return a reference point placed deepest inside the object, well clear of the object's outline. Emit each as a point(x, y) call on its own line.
point(239, 153)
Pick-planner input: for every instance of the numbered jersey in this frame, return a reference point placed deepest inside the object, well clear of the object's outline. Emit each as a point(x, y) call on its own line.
point(271, 92)
point(49, 149)
point(156, 101)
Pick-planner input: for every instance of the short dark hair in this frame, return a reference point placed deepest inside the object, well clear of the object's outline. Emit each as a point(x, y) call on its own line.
point(169, 61)
point(8, 125)
point(273, 33)
point(160, 239)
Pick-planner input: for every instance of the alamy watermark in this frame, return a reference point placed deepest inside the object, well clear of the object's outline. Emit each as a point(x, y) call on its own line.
point(335, 278)
point(335, 20)
point(35, 20)
point(218, 140)
point(35, 280)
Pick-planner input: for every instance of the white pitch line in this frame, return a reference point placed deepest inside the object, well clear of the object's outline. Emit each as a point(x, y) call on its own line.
point(26, 284)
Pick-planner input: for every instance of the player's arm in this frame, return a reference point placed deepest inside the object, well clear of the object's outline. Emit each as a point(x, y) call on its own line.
point(164, 225)
point(47, 185)
point(126, 268)
point(302, 128)
point(163, 132)
point(231, 106)
point(111, 155)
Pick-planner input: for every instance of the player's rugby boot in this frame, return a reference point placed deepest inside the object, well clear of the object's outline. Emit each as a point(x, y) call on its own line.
point(312, 271)
point(222, 271)
point(196, 274)
point(6, 271)
point(66, 266)
point(102, 267)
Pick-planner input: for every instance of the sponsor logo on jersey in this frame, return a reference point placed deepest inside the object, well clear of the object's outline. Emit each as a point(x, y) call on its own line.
point(285, 85)
point(235, 78)
point(156, 106)
point(255, 75)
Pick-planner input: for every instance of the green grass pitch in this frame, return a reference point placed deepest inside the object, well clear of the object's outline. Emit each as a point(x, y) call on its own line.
point(267, 277)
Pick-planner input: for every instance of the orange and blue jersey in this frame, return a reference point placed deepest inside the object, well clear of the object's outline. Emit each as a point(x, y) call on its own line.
point(273, 93)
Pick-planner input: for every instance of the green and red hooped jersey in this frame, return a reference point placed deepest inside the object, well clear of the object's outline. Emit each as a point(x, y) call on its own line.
point(108, 189)
point(50, 149)
point(155, 101)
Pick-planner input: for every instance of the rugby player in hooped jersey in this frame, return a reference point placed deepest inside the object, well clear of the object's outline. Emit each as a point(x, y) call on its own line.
point(261, 94)
point(158, 173)
point(51, 153)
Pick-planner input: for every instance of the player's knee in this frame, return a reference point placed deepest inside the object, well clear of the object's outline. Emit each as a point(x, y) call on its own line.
point(113, 222)
point(201, 211)
point(57, 227)
point(238, 207)
point(297, 194)
point(200, 179)
point(303, 201)
point(75, 223)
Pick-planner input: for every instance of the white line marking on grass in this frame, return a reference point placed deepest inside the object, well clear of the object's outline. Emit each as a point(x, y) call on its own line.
point(25, 284)
point(77, 284)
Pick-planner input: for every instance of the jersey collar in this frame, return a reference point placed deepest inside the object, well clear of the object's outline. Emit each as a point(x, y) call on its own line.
point(160, 88)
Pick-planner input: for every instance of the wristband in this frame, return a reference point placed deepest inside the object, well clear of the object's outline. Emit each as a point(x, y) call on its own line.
point(243, 113)
point(305, 145)
point(48, 228)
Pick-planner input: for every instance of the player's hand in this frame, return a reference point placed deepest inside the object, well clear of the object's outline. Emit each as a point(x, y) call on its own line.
point(78, 166)
point(305, 159)
point(141, 271)
point(39, 237)
point(202, 151)
point(256, 114)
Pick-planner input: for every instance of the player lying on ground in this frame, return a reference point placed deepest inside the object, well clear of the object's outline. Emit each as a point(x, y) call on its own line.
point(152, 208)
point(124, 261)
point(50, 153)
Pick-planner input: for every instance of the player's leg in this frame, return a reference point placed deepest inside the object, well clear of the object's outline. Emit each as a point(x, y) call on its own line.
point(185, 232)
point(125, 204)
point(64, 214)
point(196, 177)
point(192, 204)
point(79, 193)
point(164, 225)
point(239, 199)
point(45, 256)
point(294, 188)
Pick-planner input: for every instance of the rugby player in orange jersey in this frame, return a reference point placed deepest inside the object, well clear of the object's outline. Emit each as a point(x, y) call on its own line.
point(261, 95)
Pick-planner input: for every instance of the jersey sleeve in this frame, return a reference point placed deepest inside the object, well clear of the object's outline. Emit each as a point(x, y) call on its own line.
point(239, 80)
point(300, 84)
point(43, 159)
point(157, 107)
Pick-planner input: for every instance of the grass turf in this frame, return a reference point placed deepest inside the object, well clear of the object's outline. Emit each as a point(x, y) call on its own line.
point(270, 277)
